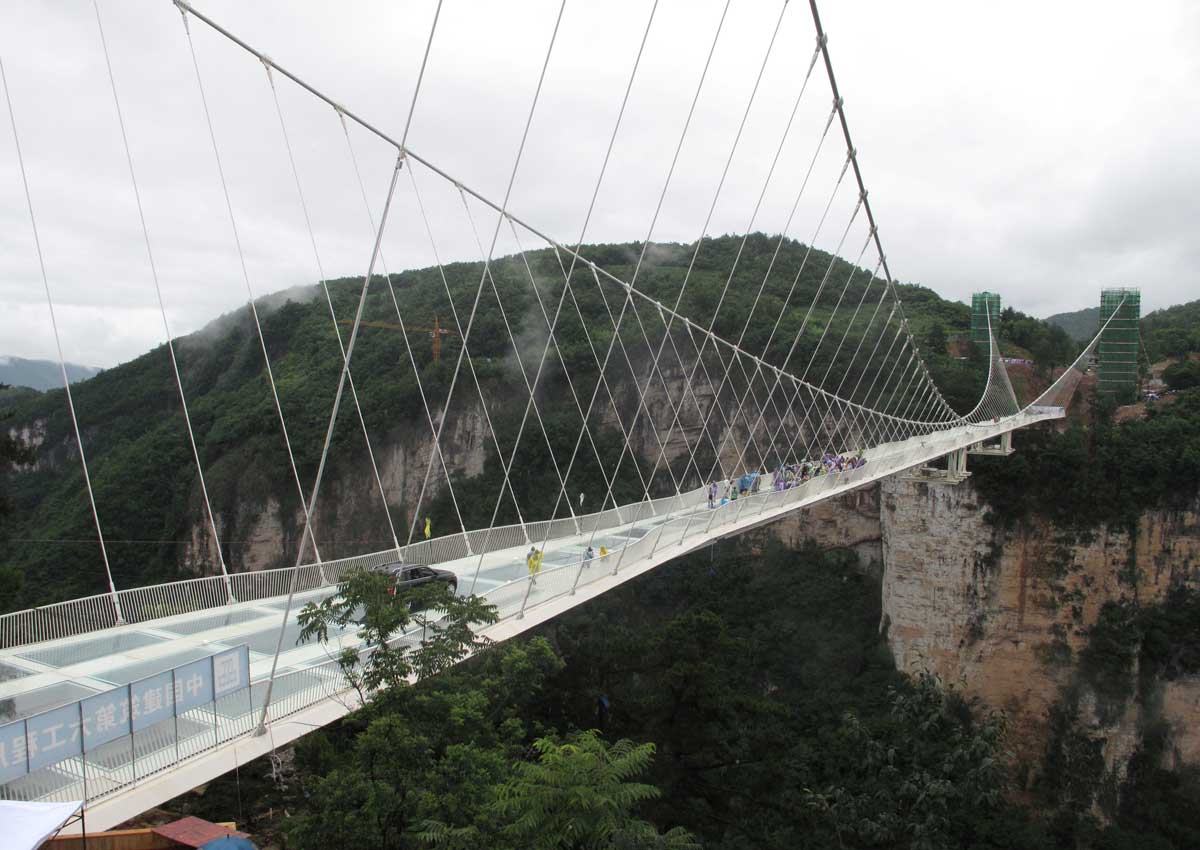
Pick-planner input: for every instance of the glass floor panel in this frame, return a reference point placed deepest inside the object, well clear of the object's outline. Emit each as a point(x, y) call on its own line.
point(265, 641)
point(36, 701)
point(97, 646)
point(9, 672)
point(141, 669)
point(302, 599)
point(214, 621)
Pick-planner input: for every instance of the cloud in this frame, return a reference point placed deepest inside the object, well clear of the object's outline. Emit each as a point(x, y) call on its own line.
point(1043, 151)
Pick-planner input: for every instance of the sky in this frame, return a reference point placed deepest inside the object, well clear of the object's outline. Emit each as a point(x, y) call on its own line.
point(1042, 150)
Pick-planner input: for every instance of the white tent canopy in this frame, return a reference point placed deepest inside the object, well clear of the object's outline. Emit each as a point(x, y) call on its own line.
point(27, 825)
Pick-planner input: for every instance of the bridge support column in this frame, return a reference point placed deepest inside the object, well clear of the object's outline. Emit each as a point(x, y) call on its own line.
point(956, 464)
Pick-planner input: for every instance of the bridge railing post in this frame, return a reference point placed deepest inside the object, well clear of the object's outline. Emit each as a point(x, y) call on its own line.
point(621, 557)
point(525, 599)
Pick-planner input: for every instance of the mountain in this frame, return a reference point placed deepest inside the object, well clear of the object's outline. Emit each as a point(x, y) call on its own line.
point(144, 477)
point(41, 375)
point(1172, 331)
point(1081, 325)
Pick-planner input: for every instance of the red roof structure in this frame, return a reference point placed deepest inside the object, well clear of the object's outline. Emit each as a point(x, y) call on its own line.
point(194, 832)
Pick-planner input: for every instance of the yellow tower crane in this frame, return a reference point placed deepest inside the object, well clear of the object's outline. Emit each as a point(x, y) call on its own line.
point(436, 332)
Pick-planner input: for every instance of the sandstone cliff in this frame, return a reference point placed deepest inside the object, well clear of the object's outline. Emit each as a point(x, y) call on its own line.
point(1006, 614)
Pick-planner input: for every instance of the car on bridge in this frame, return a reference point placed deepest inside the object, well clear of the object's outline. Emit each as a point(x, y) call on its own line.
point(408, 576)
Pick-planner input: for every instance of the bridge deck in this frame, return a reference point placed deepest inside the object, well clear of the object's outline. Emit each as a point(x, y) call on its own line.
point(130, 774)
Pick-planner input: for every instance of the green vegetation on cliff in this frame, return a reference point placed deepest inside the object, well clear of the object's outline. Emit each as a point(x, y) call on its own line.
point(1172, 332)
point(1100, 472)
point(747, 700)
point(741, 700)
point(145, 481)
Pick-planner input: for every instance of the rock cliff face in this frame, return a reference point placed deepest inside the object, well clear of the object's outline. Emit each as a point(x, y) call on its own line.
point(349, 515)
point(349, 518)
point(850, 521)
point(1006, 614)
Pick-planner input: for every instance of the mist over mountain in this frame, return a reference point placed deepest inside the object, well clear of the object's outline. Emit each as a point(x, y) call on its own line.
point(41, 375)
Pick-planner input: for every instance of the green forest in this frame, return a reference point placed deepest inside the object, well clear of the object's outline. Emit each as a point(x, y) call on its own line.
point(145, 481)
point(732, 699)
point(741, 697)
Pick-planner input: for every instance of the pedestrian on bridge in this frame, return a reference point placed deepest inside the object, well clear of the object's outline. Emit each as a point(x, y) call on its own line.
point(588, 556)
point(534, 560)
point(428, 528)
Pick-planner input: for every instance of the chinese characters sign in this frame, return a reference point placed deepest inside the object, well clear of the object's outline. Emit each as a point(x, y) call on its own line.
point(80, 727)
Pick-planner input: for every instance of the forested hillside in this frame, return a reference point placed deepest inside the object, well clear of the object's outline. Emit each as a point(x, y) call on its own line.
point(145, 481)
point(1172, 332)
point(731, 700)
point(1080, 325)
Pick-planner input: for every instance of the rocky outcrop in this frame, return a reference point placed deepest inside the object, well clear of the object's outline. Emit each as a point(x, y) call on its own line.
point(264, 533)
point(1005, 614)
point(849, 521)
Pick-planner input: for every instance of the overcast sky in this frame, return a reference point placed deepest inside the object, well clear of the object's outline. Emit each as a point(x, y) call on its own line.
point(1041, 149)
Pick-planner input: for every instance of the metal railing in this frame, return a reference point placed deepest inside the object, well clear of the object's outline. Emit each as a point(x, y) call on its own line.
point(680, 523)
point(141, 604)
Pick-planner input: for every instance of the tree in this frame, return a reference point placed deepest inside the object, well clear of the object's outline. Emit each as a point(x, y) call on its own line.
point(581, 795)
point(1183, 375)
point(397, 652)
point(12, 452)
point(929, 780)
point(935, 339)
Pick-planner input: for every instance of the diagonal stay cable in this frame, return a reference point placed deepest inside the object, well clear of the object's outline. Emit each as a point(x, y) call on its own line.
point(569, 273)
point(700, 242)
point(561, 358)
point(415, 156)
point(631, 287)
point(312, 239)
point(491, 249)
point(520, 367)
point(62, 363)
point(745, 237)
point(237, 239)
point(337, 400)
point(187, 418)
point(483, 405)
point(796, 278)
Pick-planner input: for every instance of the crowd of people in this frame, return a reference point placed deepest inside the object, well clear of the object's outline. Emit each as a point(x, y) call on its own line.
point(784, 477)
point(792, 474)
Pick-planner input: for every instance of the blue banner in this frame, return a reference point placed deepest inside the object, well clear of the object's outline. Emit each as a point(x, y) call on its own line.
point(193, 685)
point(14, 760)
point(71, 730)
point(153, 700)
point(53, 736)
point(231, 671)
point(105, 718)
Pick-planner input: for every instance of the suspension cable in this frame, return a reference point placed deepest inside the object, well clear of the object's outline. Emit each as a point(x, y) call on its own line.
point(312, 239)
point(187, 418)
point(62, 363)
point(495, 234)
point(237, 239)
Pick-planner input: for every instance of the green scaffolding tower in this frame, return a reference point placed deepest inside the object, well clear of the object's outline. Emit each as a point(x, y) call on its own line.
point(1120, 343)
point(981, 304)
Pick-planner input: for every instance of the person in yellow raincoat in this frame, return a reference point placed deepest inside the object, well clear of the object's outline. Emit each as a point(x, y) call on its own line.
point(428, 528)
point(533, 560)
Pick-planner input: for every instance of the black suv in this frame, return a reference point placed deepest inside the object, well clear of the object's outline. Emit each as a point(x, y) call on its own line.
point(408, 576)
